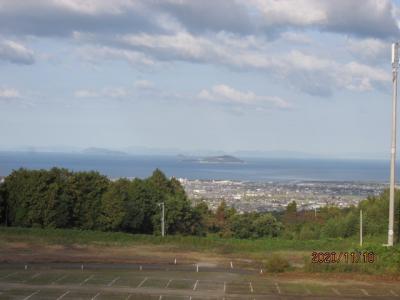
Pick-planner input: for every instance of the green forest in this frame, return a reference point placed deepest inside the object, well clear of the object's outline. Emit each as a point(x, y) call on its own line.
point(59, 198)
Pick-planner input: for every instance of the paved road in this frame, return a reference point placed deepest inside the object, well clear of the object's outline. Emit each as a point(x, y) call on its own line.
point(175, 292)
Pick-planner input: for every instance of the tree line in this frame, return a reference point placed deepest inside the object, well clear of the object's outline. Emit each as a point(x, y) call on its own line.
point(335, 222)
point(59, 198)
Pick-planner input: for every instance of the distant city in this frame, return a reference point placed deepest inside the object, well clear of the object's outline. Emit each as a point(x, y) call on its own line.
point(246, 196)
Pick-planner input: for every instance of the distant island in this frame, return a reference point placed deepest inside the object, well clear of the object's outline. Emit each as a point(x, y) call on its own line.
point(102, 151)
point(221, 159)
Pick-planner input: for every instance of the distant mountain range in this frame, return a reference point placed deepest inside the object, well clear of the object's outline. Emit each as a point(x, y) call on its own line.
point(206, 155)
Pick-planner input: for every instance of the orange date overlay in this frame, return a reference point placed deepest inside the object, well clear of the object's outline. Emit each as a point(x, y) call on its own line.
point(333, 257)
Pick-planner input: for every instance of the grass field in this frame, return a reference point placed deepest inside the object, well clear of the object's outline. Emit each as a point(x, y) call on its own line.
point(58, 244)
point(211, 243)
point(56, 284)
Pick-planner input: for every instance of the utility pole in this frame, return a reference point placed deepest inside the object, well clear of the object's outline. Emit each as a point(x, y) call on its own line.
point(361, 228)
point(162, 218)
point(395, 67)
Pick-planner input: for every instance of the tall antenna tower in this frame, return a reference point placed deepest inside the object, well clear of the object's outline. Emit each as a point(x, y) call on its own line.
point(395, 67)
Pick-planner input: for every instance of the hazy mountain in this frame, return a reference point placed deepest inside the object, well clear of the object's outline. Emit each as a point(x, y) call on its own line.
point(102, 151)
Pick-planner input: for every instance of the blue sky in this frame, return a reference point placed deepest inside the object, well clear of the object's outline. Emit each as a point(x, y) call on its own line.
point(259, 75)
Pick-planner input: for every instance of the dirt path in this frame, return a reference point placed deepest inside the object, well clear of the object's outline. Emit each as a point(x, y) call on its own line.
point(23, 252)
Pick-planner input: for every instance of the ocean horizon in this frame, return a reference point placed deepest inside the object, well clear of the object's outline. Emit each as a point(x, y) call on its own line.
point(254, 169)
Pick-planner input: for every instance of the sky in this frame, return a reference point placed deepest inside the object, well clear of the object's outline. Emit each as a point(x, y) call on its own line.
point(310, 76)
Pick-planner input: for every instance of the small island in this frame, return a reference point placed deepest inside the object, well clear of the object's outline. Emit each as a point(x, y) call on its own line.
point(221, 159)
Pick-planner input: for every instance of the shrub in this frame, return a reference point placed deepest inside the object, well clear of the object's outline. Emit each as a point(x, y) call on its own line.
point(307, 233)
point(277, 264)
point(253, 225)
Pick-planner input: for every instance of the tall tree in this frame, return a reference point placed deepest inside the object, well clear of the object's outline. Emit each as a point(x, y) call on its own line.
point(87, 188)
point(140, 207)
point(113, 204)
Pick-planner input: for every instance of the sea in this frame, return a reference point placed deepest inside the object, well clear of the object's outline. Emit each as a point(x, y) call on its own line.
point(253, 169)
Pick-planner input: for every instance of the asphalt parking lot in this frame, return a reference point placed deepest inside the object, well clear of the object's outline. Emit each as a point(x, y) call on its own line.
point(141, 283)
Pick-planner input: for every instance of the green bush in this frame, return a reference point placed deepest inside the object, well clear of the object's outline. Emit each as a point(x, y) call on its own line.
point(308, 233)
point(255, 225)
point(277, 264)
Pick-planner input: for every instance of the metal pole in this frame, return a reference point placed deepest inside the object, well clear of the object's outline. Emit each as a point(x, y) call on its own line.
point(395, 65)
point(163, 220)
point(361, 228)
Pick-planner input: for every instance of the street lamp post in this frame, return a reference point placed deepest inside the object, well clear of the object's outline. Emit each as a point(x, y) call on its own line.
point(162, 218)
point(395, 66)
point(361, 228)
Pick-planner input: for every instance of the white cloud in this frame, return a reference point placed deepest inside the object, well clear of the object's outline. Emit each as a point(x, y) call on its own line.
point(370, 50)
point(310, 73)
point(117, 92)
point(319, 76)
point(144, 84)
point(86, 94)
point(221, 49)
point(16, 53)
point(9, 94)
point(108, 92)
point(181, 45)
point(208, 15)
point(296, 37)
point(152, 33)
point(370, 18)
point(61, 18)
point(218, 94)
point(94, 54)
point(95, 7)
point(356, 76)
point(225, 94)
point(291, 12)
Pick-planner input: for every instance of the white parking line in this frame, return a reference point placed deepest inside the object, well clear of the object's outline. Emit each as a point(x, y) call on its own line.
point(31, 295)
point(143, 281)
point(278, 288)
point(159, 298)
point(364, 292)
point(86, 280)
point(169, 282)
point(251, 287)
point(394, 293)
point(336, 292)
point(129, 297)
point(224, 287)
point(63, 295)
point(113, 281)
point(58, 279)
point(195, 285)
point(95, 296)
